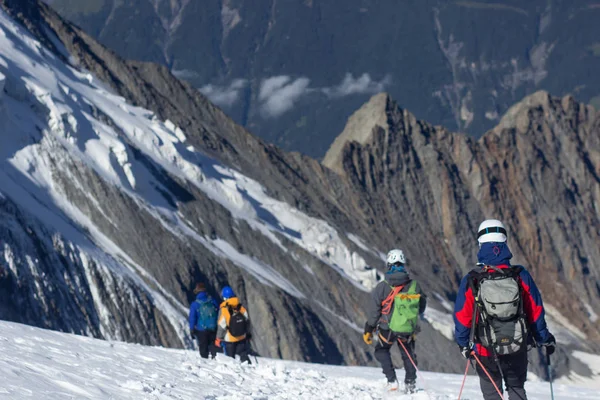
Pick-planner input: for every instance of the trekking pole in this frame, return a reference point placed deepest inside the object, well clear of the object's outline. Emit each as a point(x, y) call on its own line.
point(471, 339)
point(464, 379)
point(549, 373)
point(414, 365)
point(488, 375)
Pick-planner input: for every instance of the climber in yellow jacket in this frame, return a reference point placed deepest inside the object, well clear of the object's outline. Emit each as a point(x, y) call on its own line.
point(233, 326)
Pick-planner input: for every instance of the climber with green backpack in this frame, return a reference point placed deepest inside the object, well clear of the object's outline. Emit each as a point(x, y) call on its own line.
point(397, 304)
point(204, 311)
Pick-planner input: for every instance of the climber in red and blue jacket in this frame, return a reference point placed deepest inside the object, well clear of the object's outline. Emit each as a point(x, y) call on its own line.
point(495, 255)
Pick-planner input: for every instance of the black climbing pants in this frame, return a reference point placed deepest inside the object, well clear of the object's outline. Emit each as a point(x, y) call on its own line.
point(238, 348)
point(382, 354)
point(514, 368)
point(206, 343)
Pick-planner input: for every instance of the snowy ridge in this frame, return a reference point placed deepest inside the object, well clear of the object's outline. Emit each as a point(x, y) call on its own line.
point(101, 258)
point(591, 312)
point(50, 365)
point(593, 362)
point(559, 325)
point(36, 162)
point(441, 321)
point(263, 272)
point(81, 118)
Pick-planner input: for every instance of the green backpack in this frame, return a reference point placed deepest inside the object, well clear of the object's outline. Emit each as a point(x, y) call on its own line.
point(404, 309)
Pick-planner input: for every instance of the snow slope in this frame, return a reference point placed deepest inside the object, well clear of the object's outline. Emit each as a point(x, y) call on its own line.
point(72, 110)
point(38, 363)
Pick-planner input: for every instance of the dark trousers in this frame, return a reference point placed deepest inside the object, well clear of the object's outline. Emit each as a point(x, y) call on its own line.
point(514, 368)
point(382, 354)
point(238, 348)
point(206, 343)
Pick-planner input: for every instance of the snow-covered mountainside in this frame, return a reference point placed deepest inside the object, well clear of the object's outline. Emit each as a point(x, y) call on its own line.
point(43, 364)
point(79, 120)
point(100, 199)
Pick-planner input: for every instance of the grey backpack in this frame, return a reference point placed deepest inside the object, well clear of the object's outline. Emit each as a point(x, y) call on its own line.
point(501, 322)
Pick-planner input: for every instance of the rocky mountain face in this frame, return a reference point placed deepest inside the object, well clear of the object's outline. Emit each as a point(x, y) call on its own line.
point(293, 71)
point(118, 194)
point(538, 169)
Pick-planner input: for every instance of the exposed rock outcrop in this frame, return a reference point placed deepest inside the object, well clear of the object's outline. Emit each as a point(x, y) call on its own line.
point(361, 126)
point(538, 171)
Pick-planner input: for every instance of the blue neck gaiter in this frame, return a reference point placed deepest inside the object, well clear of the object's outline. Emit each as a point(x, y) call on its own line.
point(494, 254)
point(396, 268)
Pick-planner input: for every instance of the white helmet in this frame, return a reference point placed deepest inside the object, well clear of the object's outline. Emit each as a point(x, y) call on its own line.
point(395, 256)
point(491, 230)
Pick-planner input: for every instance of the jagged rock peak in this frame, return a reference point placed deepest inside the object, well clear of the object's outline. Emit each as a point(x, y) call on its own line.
point(360, 128)
point(518, 116)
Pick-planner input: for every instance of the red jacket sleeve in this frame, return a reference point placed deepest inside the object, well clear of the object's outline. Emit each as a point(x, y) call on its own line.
point(534, 308)
point(463, 313)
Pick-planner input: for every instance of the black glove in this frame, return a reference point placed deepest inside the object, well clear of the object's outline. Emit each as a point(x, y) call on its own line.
point(467, 352)
point(248, 336)
point(192, 332)
point(550, 345)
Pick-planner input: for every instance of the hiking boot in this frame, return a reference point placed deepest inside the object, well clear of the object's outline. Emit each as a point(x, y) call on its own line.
point(392, 386)
point(410, 387)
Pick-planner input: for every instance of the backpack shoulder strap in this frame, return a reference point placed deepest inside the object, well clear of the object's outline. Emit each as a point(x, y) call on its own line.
point(473, 278)
point(412, 289)
point(229, 313)
point(476, 273)
point(235, 308)
point(517, 269)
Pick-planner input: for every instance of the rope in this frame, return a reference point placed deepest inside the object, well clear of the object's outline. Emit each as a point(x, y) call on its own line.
point(464, 380)
point(414, 365)
point(488, 375)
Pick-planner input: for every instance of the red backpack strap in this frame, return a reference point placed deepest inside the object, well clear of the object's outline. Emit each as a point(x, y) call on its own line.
point(386, 305)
